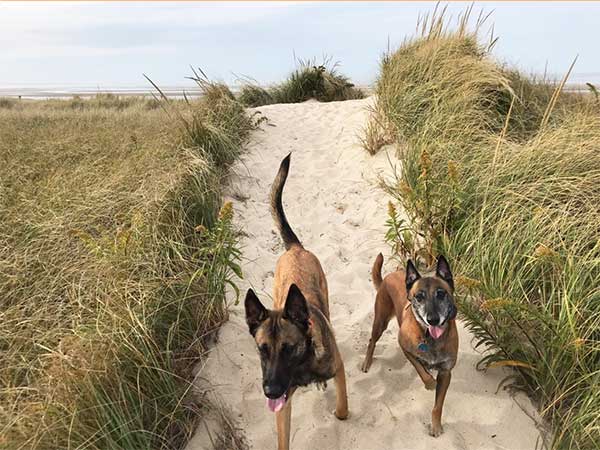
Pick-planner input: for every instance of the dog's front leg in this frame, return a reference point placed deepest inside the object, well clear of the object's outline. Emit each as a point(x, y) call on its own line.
point(443, 381)
point(424, 374)
point(283, 419)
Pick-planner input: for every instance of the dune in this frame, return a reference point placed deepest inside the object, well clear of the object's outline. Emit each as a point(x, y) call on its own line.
point(334, 206)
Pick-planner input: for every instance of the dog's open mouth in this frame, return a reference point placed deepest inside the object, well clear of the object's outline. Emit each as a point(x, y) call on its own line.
point(277, 404)
point(435, 331)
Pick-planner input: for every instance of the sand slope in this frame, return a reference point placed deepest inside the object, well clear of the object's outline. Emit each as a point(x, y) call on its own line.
point(338, 213)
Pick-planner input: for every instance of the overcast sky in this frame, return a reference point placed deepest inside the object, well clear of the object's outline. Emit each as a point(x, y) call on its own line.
point(109, 44)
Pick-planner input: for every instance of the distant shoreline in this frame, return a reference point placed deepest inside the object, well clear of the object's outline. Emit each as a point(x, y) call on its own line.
point(65, 93)
point(69, 93)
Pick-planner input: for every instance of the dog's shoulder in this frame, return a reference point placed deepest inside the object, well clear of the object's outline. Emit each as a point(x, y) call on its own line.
point(321, 334)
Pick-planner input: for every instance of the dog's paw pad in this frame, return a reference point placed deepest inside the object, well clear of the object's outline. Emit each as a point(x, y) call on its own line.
point(435, 430)
point(342, 416)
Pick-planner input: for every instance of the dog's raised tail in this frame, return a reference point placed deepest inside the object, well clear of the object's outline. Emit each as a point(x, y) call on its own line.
point(288, 236)
point(376, 271)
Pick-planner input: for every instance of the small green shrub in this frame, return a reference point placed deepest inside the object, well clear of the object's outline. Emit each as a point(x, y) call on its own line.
point(309, 81)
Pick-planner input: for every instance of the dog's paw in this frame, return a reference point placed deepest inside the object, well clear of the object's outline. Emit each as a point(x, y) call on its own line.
point(430, 384)
point(341, 415)
point(435, 430)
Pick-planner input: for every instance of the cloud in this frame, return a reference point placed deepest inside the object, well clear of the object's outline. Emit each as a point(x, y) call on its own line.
point(64, 16)
point(31, 29)
point(63, 41)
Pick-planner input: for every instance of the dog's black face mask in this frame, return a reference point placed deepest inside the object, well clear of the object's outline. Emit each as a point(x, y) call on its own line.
point(283, 341)
point(432, 297)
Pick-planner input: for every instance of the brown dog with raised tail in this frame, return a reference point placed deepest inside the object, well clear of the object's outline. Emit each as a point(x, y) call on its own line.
point(295, 339)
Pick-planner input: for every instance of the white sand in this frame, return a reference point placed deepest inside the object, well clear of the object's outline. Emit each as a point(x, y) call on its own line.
point(339, 214)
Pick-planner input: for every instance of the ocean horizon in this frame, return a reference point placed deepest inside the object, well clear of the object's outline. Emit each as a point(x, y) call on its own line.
point(576, 82)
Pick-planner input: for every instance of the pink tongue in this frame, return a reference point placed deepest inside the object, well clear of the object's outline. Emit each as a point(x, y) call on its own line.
point(277, 404)
point(435, 332)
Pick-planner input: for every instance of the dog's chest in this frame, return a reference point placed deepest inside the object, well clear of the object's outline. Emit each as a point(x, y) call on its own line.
point(432, 356)
point(309, 377)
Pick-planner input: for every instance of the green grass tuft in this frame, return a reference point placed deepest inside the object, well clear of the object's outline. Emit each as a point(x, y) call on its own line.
point(309, 81)
point(253, 95)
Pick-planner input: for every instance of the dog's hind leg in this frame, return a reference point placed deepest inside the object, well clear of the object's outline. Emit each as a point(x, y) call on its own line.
point(283, 419)
point(443, 381)
point(341, 395)
point(425, 375)
point(384, 311)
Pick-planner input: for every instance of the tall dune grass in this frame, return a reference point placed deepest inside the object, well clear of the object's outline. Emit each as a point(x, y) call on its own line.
point(115, 251)
point(502, 174)
point(310, 80)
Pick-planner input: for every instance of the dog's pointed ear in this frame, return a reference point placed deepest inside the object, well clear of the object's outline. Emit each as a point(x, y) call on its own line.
point(443, 271)
point(412, 275)
point(296, 308)
point(256, 313)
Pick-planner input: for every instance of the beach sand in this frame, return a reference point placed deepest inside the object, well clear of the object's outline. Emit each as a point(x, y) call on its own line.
point(334, 206)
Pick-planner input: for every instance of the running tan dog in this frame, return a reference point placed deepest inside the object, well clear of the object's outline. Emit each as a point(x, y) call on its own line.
point(425, 310)
point(295, 339)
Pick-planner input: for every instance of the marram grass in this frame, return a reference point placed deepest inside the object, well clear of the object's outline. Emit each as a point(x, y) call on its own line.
point(502, 174)
point(115, 251)
point(310, 80)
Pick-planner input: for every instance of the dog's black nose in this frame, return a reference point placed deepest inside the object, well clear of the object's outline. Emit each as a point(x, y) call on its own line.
point(273, 390)
point(433, 320)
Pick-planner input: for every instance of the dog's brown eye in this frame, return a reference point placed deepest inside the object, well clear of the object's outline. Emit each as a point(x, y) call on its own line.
point(420, 296)
point(440, 294)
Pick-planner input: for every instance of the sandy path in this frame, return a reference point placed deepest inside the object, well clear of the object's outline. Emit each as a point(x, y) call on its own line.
point(338, 213)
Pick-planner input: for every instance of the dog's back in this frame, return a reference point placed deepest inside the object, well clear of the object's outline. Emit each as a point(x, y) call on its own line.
point(297, 265)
